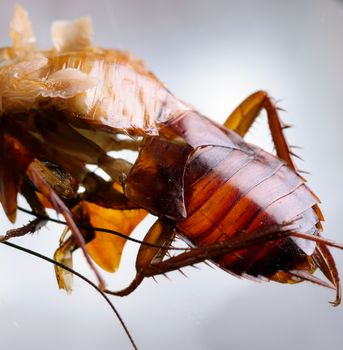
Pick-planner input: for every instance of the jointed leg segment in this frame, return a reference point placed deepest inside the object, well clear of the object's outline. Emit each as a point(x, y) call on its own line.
point(158, 234)
point(150, 260)
point(245, 114)
point(34, 173)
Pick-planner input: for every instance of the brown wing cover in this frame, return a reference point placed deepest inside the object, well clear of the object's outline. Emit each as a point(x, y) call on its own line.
point(17, 150)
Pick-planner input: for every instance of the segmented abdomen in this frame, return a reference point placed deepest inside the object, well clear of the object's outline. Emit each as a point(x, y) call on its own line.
point(230, 191)
point(211, 185)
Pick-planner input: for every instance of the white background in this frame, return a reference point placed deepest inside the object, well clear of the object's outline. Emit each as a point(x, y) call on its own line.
point(211, 54)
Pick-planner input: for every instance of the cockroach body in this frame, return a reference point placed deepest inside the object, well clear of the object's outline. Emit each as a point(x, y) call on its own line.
point(247, 210)
point(208, 186)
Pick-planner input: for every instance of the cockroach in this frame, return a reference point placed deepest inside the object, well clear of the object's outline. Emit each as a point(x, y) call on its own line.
point(248, 211)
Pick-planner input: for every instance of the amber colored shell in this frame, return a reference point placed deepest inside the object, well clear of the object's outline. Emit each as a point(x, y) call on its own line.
point(225, 187)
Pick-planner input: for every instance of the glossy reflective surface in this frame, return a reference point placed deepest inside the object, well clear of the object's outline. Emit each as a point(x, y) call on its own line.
point(212, 56)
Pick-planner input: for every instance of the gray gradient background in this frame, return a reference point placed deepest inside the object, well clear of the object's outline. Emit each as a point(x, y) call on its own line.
point(211, 54)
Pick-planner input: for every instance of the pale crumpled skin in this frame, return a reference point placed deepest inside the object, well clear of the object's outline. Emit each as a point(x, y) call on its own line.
point(93, 87)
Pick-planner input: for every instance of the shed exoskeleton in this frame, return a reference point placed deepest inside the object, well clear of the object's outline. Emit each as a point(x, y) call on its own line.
point(248, 211)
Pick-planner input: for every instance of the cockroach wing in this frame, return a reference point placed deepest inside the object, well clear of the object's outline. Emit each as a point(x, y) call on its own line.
point(155, 182)
point(17, 150)
point(105, 248)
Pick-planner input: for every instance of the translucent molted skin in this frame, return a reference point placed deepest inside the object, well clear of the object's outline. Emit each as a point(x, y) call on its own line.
point(92, 87)
point(105, 88)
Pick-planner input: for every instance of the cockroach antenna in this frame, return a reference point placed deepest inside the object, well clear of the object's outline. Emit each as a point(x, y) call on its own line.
point(79, 275)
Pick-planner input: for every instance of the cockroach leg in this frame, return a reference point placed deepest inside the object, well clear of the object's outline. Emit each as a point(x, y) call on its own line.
point(111, 141)
point(307, 276)
point(105, 193)
point(150, 260)
point(28, 192)
point(217, 250)
point(116, 168)
point(326, 264)
point(147, 256)
point(31, 227)
point(34, 173)
point(76, 145)
point(245, 114)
